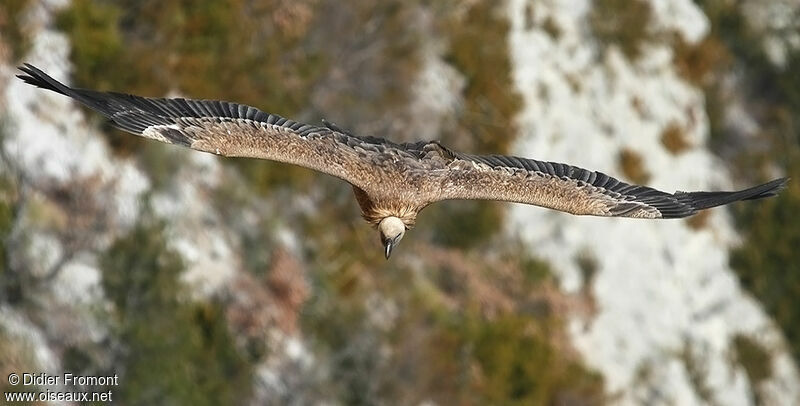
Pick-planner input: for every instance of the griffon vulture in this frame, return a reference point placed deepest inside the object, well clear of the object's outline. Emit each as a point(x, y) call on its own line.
point(392, 182)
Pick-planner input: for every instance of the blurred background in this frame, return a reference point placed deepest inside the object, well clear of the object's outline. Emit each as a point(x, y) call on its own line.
point(201, 280)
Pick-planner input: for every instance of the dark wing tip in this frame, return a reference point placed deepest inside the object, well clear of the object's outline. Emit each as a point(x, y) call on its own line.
point(769, 189)
point(36, 77)
point(706, 200)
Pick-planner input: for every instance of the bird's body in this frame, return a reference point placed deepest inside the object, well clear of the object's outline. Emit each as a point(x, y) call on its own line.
point(391, 181)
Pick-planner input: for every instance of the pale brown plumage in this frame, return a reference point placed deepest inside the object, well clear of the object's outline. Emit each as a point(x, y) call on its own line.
point(389, 179)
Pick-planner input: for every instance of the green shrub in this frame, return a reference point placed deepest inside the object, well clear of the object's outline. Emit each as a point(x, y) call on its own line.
point(443, 345)
point(16, 356)
point(212, 49)
point(520, 368)
point(622, 23)
point(7, 193)
point(478, 49)
point(171, 350)
point(463, 224)
point(11, 285)
point(12, 32)
point(753, 357)
point(98, 49)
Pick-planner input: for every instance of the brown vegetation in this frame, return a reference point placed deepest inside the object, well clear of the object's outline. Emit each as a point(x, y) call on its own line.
point(622, 23)
point(698, 63)
point(12, 27)
point(674, 139)
point(699, 221)
point(754, 358)
point(633, 166)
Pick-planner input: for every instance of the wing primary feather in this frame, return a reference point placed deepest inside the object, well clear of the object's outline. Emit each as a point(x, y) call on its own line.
point(203, 110)
point(234, 110)
point(165, 107)
point(149, 121)
point(526, 164)
point(558, 169)
point(252, 113)
point(218, 107)
point(185, 109)
point(261, 116)
point(128, 125)
point(610, 183)
point(206, 108)
point(193, 108)
point(506, 161)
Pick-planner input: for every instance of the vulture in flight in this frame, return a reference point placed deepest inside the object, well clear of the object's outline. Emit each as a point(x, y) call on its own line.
point(392, 182)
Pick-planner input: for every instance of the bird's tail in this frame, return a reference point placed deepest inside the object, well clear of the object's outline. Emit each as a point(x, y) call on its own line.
point(704, 200)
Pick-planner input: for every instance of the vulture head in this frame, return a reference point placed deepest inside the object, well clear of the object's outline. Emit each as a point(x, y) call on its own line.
point(392, 230)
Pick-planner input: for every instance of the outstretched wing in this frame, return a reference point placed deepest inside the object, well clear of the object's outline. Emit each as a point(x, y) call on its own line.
point(235, 130)
point(578, 191)
point(376, 165)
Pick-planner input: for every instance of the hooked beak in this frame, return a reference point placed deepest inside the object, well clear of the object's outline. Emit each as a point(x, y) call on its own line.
point(388, 245)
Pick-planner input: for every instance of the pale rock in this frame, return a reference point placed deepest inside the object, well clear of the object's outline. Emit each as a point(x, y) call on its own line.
point(660, 286)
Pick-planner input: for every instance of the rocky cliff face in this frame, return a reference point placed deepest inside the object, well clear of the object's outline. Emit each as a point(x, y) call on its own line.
point(118, 261)
point(668, 307)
